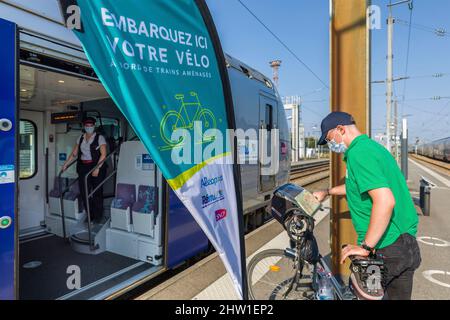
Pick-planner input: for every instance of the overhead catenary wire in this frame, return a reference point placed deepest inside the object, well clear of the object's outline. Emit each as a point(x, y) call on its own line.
point(441, 32)
point(439, 117)
point(406, 78)
point(312, 92)
point(320, 116)
point(429, 125)
point(435, 75)
point(434, 98)
point(284, 44)
point(420, 109)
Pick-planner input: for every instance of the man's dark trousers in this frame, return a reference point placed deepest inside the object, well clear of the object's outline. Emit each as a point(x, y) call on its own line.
point(401, 259)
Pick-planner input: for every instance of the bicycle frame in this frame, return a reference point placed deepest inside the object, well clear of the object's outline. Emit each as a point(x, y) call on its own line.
point(185, 104)
point(342, 292)
point(174, 120)
point(299, 265)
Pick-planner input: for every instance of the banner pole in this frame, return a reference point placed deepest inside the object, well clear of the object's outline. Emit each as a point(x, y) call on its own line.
point(206, 14)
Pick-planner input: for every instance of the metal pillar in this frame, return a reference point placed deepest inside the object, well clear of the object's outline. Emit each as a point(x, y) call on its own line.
point(350, 92)
point(302, 146)
point(389, 81)
point(405, 148)
point(395, 133)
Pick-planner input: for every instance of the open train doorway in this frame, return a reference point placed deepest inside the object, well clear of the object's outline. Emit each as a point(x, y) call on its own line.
point(61, 254)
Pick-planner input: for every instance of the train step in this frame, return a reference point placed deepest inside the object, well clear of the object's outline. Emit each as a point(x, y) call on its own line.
point(80, 240)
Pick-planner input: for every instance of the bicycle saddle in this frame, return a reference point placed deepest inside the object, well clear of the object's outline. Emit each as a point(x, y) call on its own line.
point(366, 276)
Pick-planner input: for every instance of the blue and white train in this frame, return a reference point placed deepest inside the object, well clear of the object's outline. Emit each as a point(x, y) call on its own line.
point(133, 243)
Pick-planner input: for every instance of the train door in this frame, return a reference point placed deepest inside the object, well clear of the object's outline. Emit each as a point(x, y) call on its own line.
point(268, 120)
point(31, 171)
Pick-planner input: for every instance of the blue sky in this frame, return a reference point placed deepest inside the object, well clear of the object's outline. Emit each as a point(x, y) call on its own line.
point(304, 26)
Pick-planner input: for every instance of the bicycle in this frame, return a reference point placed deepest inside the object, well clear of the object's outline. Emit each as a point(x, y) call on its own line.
point(294, 273)
point(180, 119)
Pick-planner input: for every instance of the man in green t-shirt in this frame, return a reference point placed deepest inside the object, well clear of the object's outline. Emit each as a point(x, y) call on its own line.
point(380, 204)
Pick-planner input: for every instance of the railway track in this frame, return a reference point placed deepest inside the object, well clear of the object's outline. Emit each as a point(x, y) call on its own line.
point(437, 164)
point(309, 173)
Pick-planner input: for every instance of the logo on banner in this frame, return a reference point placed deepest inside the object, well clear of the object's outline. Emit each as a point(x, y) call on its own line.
point(211, 198)
point(220, 214)
point(205, 182)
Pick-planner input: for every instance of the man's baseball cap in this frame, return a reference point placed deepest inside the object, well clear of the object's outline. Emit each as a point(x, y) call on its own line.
point(333, 120)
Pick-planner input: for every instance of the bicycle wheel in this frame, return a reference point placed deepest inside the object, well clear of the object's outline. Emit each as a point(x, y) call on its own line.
point(169, 123)
point(208, 121)
point(271, 273)
point(207, 118)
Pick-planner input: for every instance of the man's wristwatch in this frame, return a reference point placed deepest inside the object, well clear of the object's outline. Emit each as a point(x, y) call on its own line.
point(367, 248)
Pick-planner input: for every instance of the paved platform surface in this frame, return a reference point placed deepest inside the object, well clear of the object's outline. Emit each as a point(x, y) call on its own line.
point(432, 279)
point(222, 289)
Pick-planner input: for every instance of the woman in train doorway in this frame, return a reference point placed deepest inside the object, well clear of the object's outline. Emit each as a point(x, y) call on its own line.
point(90, 150)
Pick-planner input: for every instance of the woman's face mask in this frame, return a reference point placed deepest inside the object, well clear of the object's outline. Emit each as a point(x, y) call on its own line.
point(337, 147)
point(89, 130)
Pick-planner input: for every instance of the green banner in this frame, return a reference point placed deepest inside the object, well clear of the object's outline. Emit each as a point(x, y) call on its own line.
point(159, 63)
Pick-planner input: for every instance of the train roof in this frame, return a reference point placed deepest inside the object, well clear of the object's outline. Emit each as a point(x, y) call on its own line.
point(247, 70)
point(443, 140)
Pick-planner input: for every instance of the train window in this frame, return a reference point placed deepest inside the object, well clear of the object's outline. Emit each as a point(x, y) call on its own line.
point(268, 83)
point(246, 72)
point(111, 126)
point(269, 117)
point(27, 149)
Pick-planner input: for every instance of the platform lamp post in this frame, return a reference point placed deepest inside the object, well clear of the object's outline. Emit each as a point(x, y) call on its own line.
point(404, 146)
point(416, 146)
point(316, 147)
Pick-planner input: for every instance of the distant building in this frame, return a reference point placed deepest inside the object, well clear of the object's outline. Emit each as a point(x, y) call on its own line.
point(293, 114)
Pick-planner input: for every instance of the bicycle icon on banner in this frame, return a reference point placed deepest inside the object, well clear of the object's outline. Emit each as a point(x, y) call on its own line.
point(174, 120)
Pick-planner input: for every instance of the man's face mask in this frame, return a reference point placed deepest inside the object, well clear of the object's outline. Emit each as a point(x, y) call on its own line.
point(337, 147)
point(89, 130)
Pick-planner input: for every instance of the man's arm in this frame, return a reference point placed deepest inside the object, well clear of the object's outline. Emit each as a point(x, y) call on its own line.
point(336, 191)
point(383, 203)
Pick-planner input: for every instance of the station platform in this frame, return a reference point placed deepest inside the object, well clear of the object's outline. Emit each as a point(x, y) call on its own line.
point(207, 280)
point(432, 279)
